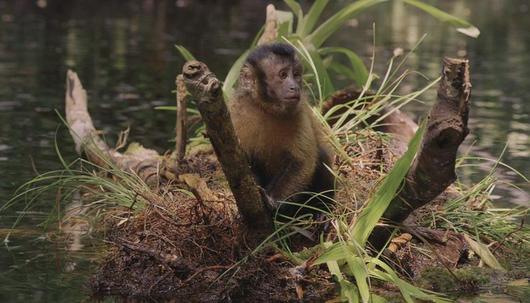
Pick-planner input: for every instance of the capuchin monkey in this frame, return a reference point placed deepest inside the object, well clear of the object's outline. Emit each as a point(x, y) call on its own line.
point(285, 144)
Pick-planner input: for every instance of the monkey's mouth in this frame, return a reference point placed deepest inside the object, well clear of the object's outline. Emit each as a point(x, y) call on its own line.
point(292, 99)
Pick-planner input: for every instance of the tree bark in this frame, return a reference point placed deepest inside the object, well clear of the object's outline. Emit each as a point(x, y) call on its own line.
point(433, 170)
point(206, 90)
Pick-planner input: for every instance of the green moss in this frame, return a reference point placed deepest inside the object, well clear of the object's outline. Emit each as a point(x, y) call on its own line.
point(466, 279)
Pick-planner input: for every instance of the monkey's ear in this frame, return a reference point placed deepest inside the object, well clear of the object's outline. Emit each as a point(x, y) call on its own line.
point(247, 77)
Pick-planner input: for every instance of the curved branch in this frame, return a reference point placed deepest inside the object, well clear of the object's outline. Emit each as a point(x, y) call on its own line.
point(146, 163)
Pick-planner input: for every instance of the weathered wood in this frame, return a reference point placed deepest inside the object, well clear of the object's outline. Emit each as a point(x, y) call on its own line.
point(146, 163)
point(181, 127)
point(433, 169)
point(270, 32)
point(206, 90)
point(80, 123)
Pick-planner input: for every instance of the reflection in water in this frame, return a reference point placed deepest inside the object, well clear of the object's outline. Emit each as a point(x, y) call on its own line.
point(124, 53)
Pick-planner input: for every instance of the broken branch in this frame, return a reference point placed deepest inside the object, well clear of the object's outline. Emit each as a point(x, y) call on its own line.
point(206, 90)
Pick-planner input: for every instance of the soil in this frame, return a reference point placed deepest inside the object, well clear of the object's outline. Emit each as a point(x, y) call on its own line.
point(187, 249)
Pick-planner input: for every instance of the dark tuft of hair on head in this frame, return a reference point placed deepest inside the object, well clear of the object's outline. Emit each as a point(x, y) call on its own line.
point(279, 49)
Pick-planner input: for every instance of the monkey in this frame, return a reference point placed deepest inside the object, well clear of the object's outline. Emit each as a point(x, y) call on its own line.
point(285, 144)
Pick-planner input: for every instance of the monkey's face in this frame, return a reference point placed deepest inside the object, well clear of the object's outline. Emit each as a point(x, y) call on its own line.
point(281, 84)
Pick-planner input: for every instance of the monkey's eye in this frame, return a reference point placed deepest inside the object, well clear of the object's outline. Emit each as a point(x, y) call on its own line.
point(297, 74)
point(283, 74)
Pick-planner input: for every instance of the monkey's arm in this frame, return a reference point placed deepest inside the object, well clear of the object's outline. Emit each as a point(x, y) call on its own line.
point(291, 179)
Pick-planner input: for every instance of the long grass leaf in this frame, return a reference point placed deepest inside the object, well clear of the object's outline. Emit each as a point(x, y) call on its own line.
point(385, 193)
point(312, 16)
point(334, 252)
point(326, 29)
point(297, 10)
point(233, 74)
point(348, 291)
point(285, 23)
point(185, 53)
point(359, 68)
point(462, 26)
point(358, 269)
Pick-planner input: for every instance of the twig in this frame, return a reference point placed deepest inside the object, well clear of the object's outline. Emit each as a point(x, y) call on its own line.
point(214, 267)
point(172, 261)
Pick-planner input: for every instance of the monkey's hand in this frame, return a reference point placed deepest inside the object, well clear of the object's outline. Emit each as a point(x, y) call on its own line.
point(200, 81)
point(270, 203)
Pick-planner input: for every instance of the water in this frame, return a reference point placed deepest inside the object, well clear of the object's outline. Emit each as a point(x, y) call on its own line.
point(125, 57)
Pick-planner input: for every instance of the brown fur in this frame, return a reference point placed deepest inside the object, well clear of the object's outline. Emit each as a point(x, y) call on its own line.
point(287, 149)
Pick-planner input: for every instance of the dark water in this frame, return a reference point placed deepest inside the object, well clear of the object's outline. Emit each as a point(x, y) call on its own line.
point(125, 56)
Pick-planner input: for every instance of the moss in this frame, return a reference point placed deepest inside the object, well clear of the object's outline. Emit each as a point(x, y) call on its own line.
point(468, 279)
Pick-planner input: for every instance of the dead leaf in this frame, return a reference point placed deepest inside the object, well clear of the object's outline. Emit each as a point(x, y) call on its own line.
point(484, 253)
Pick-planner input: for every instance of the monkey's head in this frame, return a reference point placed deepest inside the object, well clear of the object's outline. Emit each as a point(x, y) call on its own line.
point(273, 75)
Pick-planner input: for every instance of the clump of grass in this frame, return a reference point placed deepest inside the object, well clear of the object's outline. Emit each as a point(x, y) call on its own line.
point(473, 212)
point(103, 189)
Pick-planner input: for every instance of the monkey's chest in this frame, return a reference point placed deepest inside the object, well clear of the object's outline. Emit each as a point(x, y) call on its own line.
point(272, 147)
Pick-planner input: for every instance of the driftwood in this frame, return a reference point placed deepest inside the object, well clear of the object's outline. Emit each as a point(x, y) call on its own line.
point(433, 169)
point(146, 163)
point(206, 90)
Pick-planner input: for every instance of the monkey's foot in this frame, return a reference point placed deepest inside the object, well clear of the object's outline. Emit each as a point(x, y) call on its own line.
point(270, 203)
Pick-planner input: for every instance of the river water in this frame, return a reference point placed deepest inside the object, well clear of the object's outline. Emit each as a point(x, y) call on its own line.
point(125, 56)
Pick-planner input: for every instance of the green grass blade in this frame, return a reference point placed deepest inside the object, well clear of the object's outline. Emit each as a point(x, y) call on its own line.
point(322, 74)
point(387, 274)
point(348, 291)
point(461, 25)
point(297, 10)
point(378, 299)
point(285, 23)
point(334, 252)
point(312, 16)
point(359, 69)
point(171, 108)
point(358, 269)
point(185, 53)
point(233, 74)
point(379, 201)
point(342, 70)
point(326, 29)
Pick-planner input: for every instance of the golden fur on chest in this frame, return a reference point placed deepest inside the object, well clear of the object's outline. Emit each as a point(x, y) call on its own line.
point(272, 138)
